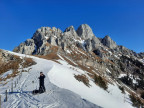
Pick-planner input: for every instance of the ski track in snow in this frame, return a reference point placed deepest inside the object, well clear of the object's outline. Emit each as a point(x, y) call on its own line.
point(54, 97)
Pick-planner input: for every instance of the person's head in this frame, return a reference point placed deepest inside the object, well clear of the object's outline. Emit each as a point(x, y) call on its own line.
point(41, 73)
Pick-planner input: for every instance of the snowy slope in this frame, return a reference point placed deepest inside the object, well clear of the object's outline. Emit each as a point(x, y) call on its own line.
point(55, 97)
point(63, 90)
point(63, 77)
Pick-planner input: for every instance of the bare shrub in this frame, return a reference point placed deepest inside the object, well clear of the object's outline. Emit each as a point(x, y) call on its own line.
point(28, 62)
point(11, 65)
point(136, 101)
point(122, 89)
point(101, 82)
point(82, 78)
point(51, 56)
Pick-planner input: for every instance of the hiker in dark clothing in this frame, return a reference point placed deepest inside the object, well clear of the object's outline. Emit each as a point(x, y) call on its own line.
point(41, 83)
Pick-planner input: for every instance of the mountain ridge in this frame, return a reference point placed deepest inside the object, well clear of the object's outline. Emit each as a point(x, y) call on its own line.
point(84, 32)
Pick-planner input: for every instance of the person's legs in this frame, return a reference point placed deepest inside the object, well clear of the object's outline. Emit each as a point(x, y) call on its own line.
point(39, 86)
point(44, 88)
point(41, 89)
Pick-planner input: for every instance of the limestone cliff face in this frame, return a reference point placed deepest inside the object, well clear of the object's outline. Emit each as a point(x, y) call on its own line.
point(83, 37)
point(84, 31)
point(107, 41)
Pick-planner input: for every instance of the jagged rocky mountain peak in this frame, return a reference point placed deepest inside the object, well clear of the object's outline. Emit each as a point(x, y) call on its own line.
point(85, 32)
point(107, 37)
point(71, 28)
point(71, 31)
point(82, 38)
point(48, 30)
point(107, 41)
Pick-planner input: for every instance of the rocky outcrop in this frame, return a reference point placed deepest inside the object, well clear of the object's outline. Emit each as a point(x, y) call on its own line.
point(5, 57)
point(141, 55)
point(107, 41)
point(28, 47)
point(88, 45)
point(70, 31)
point(85, 32)
point(95, 43)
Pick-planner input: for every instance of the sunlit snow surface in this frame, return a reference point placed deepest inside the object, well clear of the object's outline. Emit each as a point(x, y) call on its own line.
point(63, 90)
point(54, 97)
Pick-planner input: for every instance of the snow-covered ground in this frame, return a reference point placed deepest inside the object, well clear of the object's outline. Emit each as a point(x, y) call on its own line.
point(63, 77)
point(63, 90)
point(54, 97)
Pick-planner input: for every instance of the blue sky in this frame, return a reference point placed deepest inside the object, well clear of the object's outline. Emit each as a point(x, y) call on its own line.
point(122, 20)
